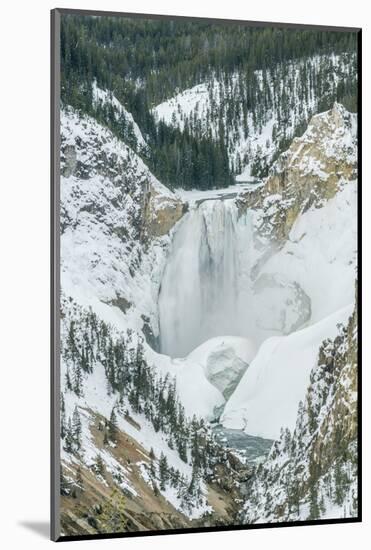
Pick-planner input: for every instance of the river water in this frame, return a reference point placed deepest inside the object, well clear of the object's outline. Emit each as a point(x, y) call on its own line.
point(248, 447)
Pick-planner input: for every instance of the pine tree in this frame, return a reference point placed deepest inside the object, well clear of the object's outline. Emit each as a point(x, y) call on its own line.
point(314, 511)
point(69, 439)
point(79, 479)
point(78, 486)
point(155, 488)
point(339, 484)
point(68, 380)
point(76, 428)
point(63, 417)
point(77, 380)
point(112, 426)
point(71, 341)
point(99, 465)
point(322, 506)
point(163, 471)
point(152, 470)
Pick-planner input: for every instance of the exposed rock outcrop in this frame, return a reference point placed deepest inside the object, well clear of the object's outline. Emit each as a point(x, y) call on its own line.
point(113, 210)
point(162, 212)
point(90, 151)
point(308, 173)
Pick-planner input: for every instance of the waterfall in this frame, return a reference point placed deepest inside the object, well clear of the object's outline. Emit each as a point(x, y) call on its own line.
point(200, 293)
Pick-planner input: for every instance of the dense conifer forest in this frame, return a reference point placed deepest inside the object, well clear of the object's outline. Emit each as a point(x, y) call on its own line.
point(144, 62)
point(89, 342)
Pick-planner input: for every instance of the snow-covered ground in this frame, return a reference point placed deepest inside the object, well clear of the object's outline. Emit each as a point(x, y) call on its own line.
point(239, 320)
point(277, 379)
point(198, 395)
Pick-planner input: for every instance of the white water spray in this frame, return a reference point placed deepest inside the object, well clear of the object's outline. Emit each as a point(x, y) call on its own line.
point(200, 292)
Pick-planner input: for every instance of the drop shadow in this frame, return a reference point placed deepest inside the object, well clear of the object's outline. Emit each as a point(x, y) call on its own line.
point(41, 528)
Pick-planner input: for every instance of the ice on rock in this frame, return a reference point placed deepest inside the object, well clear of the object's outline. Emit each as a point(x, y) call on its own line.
point(224, 360)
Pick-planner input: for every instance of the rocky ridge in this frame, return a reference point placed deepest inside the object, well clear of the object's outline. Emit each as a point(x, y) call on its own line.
point(88, 150)
point(115, 218)
point(308, 174)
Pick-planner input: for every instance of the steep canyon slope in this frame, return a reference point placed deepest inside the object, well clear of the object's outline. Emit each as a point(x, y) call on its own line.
point(129, 440)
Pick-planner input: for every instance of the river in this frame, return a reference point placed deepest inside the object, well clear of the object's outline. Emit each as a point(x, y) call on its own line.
point(248, 447)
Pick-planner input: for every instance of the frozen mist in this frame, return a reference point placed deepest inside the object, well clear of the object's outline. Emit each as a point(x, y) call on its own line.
point(201, 286)
point(222, 278)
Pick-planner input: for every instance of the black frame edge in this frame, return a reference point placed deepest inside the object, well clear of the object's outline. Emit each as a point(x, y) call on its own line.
point(359, 267)
point(223, 529)
point(135, 15)
point(55, 275)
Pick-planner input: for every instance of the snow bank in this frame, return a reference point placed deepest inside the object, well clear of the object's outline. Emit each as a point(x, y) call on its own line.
point(197, 394)
point(208, 375)
point(268, 395)
point(224, 360)
point(321, 253)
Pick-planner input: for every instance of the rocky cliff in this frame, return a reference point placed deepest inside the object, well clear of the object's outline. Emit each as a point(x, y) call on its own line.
point(115, 220)
point(90, 151)
point(309, 173)
point(303, 253)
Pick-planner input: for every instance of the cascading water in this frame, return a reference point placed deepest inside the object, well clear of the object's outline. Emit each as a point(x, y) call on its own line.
point(214, 285)
point(200, 293)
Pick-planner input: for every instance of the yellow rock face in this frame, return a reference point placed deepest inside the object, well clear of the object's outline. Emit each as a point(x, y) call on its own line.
point(162, 213)
point(309, 172)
